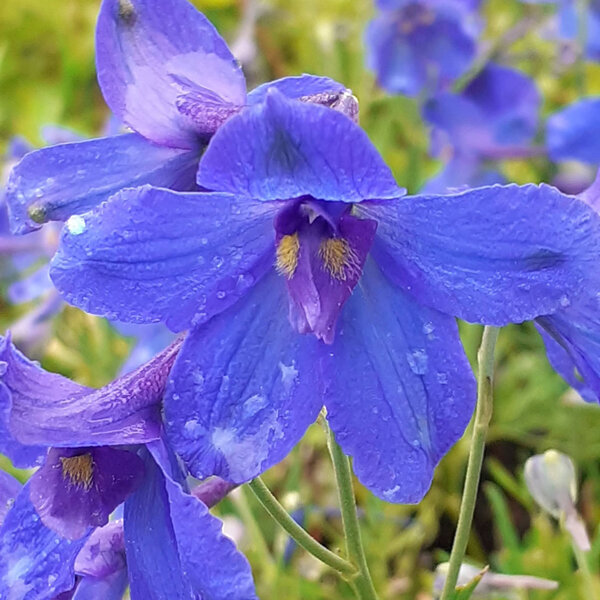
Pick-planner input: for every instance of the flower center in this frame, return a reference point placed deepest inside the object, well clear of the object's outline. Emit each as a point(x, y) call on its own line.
point(321, 249)
point(79, 470)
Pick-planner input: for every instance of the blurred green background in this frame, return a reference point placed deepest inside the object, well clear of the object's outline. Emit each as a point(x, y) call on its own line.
point(47, 76)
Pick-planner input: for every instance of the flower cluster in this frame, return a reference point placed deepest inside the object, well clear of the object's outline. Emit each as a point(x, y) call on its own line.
point(267, 232)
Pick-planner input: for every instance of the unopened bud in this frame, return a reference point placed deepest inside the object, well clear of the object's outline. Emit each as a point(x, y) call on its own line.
point(550, 478)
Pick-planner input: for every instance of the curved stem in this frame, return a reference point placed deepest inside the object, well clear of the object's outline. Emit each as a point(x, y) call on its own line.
point(483, 414)
point(361, 583)
point(297, 533)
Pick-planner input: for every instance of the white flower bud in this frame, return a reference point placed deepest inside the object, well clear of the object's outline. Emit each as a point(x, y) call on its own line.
point(550, 478)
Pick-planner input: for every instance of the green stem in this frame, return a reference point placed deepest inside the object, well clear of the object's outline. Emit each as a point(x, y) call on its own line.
point(483, 414)
point(584, 567)
point(297, 533)
point(361, 583)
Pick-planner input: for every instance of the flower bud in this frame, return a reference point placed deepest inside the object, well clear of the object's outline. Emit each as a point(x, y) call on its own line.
point(550, 478)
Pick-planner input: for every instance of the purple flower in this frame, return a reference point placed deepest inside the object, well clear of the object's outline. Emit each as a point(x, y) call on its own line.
point(420, 44)
point(494, 117)
point(166, 546)
point(573, 133)
point(167, 74)
point(308, 233)
point(78, 488)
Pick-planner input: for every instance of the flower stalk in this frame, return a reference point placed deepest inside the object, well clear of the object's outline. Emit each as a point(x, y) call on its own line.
point(296, 532)
point(361, 582)
point(483, 415)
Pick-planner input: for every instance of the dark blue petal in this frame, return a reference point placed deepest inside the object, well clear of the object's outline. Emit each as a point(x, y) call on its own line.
point(399, 390)
point(574, 132)
point(153, 255)
point(175, 548)
point(283, 149)
point(149, 52)
point(302, 86)
point(485, 255)
point(242, 393)
point(572, 339)
point(35, 563)
point(46, 408)
point(54, 183)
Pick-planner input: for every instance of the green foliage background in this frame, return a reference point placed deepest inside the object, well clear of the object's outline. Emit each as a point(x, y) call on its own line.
point(47, 75)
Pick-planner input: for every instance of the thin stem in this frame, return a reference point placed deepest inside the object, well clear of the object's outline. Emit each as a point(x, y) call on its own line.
point(297, 533)
point(584, 567)
point(362, 583)
point(483, 414)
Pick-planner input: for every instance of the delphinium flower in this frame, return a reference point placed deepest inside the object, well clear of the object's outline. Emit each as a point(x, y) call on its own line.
point(573, 133)
point(494, 117)
point(421, 45)
point(59, 521)
point(167, 74)
point(308, 280)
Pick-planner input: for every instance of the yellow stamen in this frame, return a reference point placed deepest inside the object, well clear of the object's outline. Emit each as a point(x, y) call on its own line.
point(338, 258)
point(79, 470)
point(287, 255)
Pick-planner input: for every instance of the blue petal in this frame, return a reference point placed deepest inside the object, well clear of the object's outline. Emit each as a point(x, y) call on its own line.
point(399, 390)
point(284, 149)
point(572, 339)
point(54, 183)
point(149, 52)
point(302, 86)
point(9, 490)
point(242, 393)
point(111, 587)
point(485, 255)
point(35, 563)
point(574, 132)
point(31, 287)
point(175, 547)
point(47, 408)
point(153, 255)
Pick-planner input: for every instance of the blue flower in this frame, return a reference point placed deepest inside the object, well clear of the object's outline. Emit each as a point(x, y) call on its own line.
point(308, 233)
point(573, 133)
point(57, 526)
point(420, 44)
point(167, 545)
point(167, 74)
point(494, 117)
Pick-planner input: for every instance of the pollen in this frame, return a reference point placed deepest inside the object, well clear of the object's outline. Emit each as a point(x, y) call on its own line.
point(78, 469)
point(287, 255)
point(338, 258)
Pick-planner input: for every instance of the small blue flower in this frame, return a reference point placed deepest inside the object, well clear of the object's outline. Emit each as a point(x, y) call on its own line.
point(167, 74)
point(308, 233)
point(420, 44)
point(573, 133)
point(494, 117)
